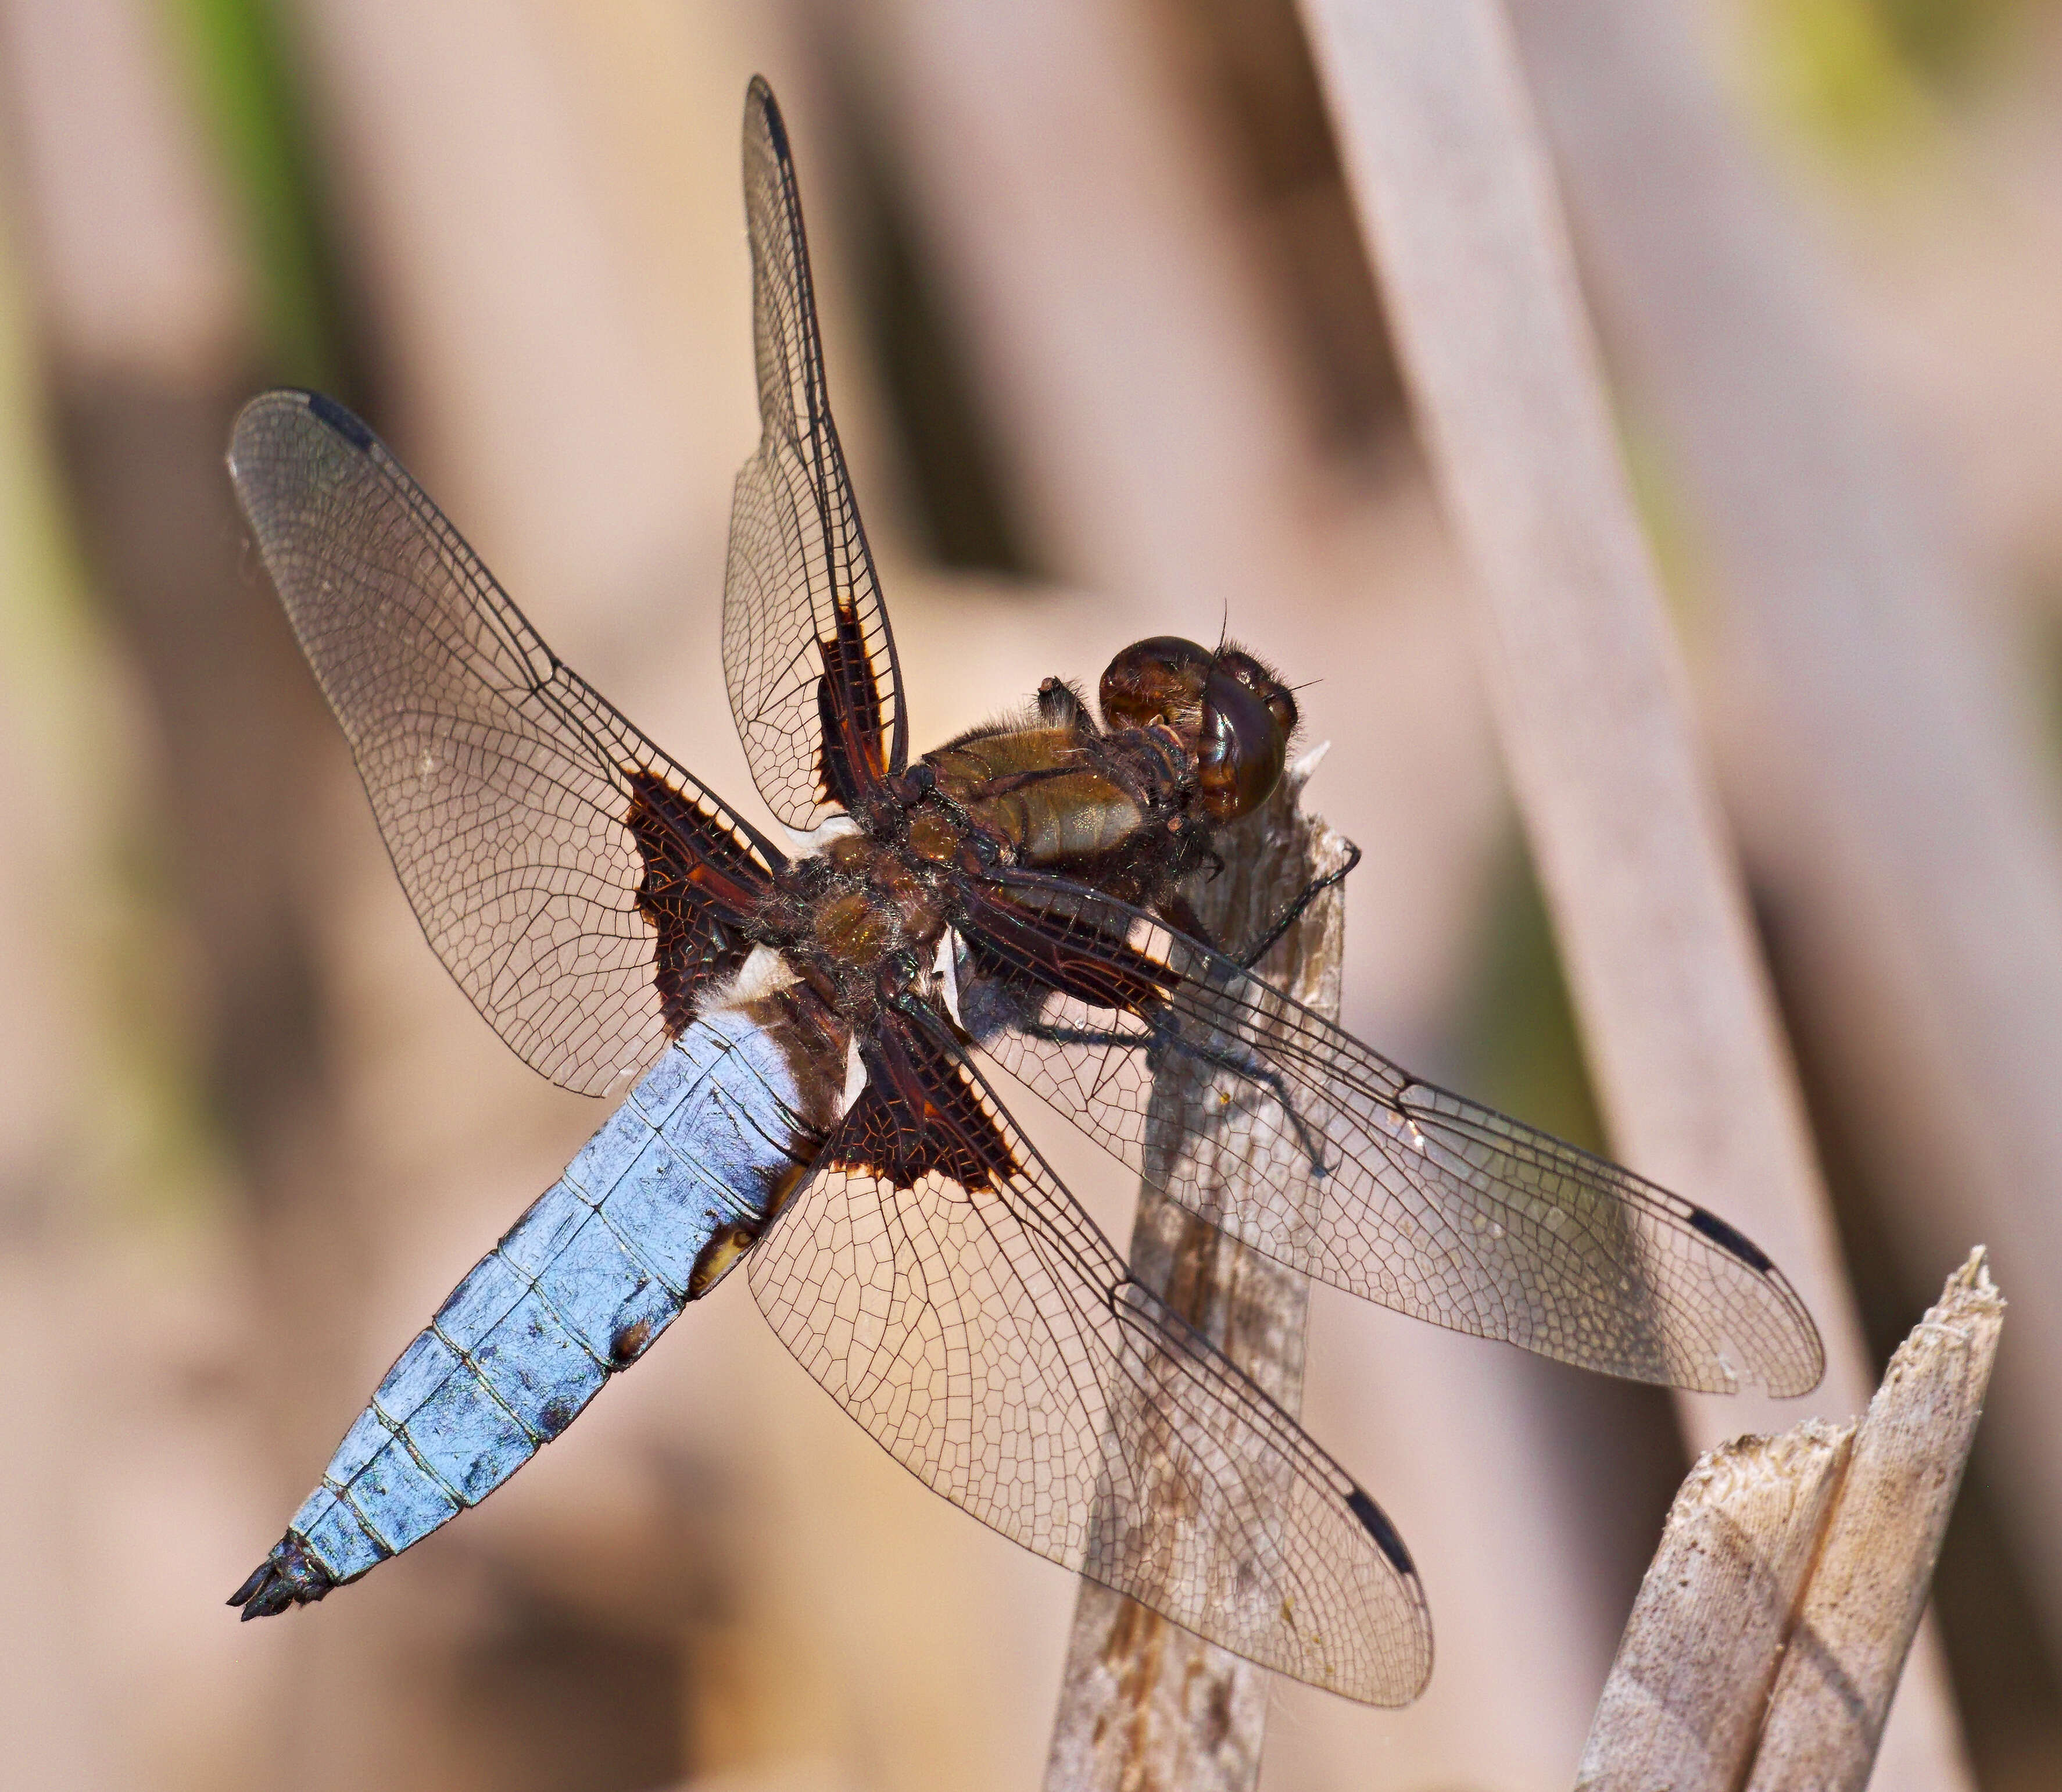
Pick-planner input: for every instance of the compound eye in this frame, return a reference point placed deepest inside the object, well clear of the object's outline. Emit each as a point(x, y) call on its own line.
point(1156, 681)
point(1270, 690)
point(1243, 749)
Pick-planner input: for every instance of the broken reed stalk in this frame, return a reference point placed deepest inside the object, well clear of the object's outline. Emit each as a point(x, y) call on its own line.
point(1770, 1633)
point(1692, 1677)
point(1867, 1589)
point(1143, 1703)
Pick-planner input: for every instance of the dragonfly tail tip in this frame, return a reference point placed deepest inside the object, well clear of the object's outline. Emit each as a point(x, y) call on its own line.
point(290, 1576)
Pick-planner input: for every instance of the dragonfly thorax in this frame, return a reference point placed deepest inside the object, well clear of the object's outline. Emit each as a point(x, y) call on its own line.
point(858, 920)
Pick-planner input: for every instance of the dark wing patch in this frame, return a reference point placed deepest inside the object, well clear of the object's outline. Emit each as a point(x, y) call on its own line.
point(697, 882)
point(1366, 1178)
point(807, 650)
point(988, 1337)
point(919, 1116)
point(849, 714)
point(541, 838)
point(1731, 1239)
point(1375, 1522)
point(345, 423)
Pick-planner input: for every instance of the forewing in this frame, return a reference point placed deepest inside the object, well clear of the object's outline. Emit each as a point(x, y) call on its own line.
point(807, 650)
point(580, 887)
point(1357, 1173)
point(972, 1317)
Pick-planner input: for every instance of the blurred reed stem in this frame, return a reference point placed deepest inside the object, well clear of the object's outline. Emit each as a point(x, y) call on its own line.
point(1459, 205)
point(1143, 1703)
point(1901, 814)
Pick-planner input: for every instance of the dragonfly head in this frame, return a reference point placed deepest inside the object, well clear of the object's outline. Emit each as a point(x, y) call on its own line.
point(1235, 714)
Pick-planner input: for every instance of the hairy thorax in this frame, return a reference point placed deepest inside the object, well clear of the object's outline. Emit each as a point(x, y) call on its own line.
point(860, 918)
point(1058, 798)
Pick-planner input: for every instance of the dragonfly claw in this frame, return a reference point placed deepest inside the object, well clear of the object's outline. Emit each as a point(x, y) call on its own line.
point(290, 1576)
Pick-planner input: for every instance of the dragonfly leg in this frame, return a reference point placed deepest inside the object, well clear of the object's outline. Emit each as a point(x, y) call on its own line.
point(1291, 911)
point(1089, 1035)
point(1180, 913)
point(1245, 1066)
point(1164, 1038)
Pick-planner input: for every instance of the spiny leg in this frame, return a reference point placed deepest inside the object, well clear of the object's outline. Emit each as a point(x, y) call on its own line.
point(1165, 1037)
point(1292, 911)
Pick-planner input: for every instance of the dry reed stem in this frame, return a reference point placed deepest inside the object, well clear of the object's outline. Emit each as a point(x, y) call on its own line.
point(1869, 1586)
point(1144, 1703)
point(1902, 820)
point(1702, 1646)
point(1770, 1631)
point(1459, 204)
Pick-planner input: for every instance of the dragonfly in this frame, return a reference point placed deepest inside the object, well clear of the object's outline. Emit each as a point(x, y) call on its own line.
point(808, 1037)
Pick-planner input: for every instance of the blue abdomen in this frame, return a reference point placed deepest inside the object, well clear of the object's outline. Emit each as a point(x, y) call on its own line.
point(671, 1190)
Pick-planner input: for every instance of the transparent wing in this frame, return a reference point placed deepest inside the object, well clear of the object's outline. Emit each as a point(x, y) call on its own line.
point(807, 650)
point(945, 1288)
point(1379, 1183)
point(580, 885)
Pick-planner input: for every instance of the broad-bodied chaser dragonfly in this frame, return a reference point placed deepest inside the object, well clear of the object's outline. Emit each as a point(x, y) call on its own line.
point(1010, 898)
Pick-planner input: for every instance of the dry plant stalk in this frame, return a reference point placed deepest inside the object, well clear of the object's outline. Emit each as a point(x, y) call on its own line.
point(1771, 1630)
point(1685, 1697)
point(1457, 201)
point(1706, 1635)
point(1903, 820)
point(1867, 1589)
point(1143, 1703)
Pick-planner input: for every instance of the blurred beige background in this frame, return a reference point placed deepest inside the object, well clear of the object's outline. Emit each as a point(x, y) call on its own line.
point(1108, 361)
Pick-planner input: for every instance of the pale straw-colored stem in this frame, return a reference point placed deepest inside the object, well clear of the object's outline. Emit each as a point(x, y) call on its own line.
point(1770, 1632)
point(1705, 1637)
point(1899, 813)
point(1143, 1703)
point(1457, 201)
point(1868, 1585)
